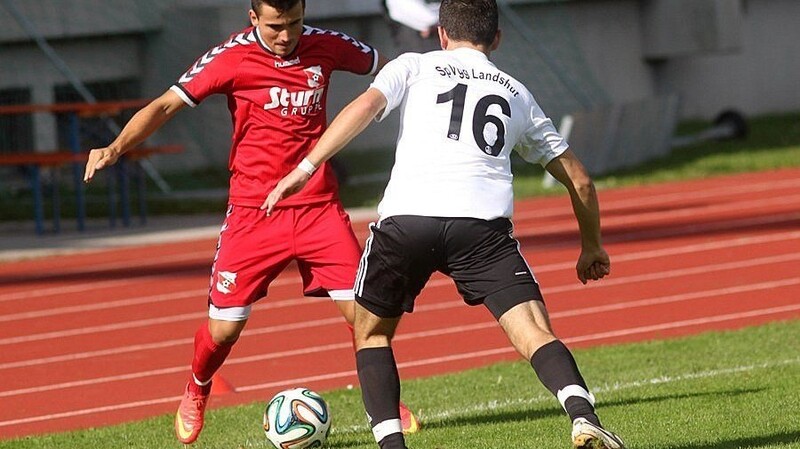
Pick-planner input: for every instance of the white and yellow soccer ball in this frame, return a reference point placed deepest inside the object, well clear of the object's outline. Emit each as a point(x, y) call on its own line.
point(297, 418)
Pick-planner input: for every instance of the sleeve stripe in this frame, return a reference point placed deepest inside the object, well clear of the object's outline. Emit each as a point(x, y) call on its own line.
point(185, 96)
point(374, 68)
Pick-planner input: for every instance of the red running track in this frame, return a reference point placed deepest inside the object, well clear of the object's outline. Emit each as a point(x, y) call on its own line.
point(102, 338)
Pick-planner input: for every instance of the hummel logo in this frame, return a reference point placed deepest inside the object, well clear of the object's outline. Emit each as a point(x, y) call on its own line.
point(291, 62)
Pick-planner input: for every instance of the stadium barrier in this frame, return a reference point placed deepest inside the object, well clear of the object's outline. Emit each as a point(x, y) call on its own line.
point(119, 180)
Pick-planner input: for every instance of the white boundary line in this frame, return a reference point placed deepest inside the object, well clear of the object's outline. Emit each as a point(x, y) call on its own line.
point(626, 257)
point(519, 218)
point(84, 287)
point(416, 363)
point(661, 198)
point(509, 403)
point(414, 335)
point(703, 269)
point(643, 329)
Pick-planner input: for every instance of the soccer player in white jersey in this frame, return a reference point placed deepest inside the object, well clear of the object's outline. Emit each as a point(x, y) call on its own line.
point(447, 207)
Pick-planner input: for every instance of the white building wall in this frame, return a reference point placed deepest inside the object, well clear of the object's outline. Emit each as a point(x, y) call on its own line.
point(156, 40)
point(762, 78)
point(610, 33)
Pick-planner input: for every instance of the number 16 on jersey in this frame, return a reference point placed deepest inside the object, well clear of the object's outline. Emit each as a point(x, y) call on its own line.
point(488, 130)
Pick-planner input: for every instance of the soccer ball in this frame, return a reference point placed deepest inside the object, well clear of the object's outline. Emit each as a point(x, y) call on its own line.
point(296, 419)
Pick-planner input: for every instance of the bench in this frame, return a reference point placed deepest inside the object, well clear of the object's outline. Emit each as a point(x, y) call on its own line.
point(34, 162)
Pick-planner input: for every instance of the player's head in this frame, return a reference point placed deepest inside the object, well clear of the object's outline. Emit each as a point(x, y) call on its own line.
point(279, 22)
point(280, 5)
point(473, 21)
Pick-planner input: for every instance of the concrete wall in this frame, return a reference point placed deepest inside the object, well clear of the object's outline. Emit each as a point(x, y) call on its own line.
point(610, 36)
point(59, 19)
point(603, 44)
point(761, 78)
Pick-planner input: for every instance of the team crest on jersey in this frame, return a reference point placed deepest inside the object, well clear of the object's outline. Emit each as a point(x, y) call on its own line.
point(315, 76)
point(226, 282)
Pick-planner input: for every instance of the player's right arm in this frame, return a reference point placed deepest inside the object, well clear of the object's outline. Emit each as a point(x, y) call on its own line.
point(143, 124)
point(348, 124)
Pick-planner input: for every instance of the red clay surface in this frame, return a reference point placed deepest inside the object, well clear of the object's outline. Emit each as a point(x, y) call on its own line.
point(99, 339)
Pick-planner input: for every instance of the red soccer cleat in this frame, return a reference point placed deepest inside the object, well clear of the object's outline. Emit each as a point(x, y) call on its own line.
point(189, 419)
point(408, 420)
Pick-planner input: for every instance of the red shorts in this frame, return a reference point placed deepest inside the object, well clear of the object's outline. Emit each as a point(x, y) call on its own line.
point(254, 248)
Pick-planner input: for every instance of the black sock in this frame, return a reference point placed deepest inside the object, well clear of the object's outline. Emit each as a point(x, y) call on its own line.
point(557, 370)
point(380, 390)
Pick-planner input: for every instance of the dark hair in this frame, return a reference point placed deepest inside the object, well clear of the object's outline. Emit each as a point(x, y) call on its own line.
point(474, 21)
point(280, 5)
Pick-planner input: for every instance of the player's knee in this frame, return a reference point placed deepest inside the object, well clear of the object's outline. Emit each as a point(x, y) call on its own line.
point(225, 332)
point(372, 341)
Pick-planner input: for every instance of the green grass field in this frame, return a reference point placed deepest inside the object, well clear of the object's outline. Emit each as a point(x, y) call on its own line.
point(718, 390)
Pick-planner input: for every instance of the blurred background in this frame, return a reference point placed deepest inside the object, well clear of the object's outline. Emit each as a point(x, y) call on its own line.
point(624, 73)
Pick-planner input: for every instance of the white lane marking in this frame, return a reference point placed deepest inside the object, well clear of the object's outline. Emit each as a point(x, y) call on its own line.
point(518, 218)
point(89, 286)
point(428, 362)
point(664, 198)
point(413, 335)
point(640, 255)
point(705, 269)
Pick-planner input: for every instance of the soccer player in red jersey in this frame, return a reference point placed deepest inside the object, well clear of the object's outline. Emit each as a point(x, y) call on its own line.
point(275, 75)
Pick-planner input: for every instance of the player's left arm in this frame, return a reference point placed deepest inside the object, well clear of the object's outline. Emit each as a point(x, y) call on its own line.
point(593, 263)
point(348, 124)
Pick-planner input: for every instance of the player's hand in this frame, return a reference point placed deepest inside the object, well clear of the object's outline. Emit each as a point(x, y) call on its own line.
point(593, 265)
point(289, 185)
point(99, 158)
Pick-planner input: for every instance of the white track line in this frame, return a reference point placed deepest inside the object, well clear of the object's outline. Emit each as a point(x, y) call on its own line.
point(681, 250)
point(689, 230)
point(704, 269)
point(417, 335)
point(518, 218)
point(639, 255)
point(659, 275)
point(416, 363)
point(87, 287)
point(141, 300)
point(257, 331)
point(138, 301)
point(649, 218)
point(520, 233)
point(662, 198)
point(128, 264)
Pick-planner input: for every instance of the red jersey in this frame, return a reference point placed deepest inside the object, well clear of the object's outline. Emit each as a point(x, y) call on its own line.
point(277, 105)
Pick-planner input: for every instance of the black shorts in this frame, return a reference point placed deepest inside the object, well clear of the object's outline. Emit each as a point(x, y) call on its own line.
point(482, 257)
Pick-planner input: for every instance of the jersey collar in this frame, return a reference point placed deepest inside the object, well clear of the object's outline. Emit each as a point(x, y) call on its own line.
point(472, 52)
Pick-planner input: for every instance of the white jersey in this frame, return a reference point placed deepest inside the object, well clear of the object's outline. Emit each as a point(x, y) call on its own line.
point(461, 117)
